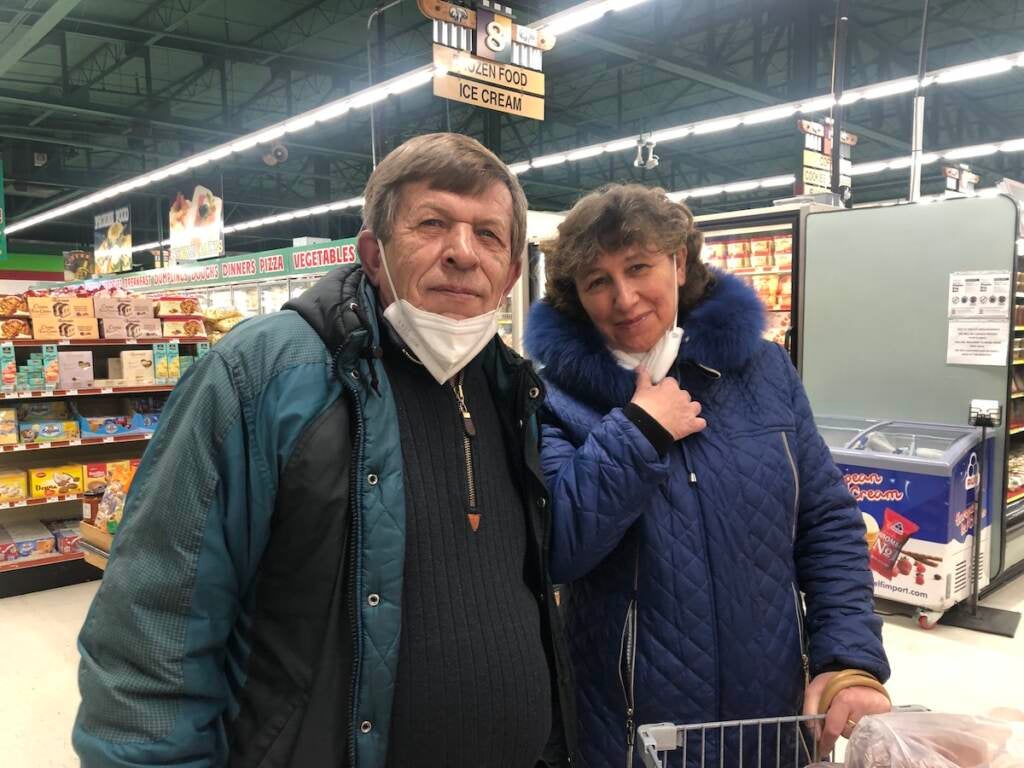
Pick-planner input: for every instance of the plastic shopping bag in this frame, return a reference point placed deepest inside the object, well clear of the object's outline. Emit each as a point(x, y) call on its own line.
point(935, 740)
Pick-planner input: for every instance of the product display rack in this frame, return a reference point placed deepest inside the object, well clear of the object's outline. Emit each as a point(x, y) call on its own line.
point(50, 570)
point(1014, 514)
point(729, 244)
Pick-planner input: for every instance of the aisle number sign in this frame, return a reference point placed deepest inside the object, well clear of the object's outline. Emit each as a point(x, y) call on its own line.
point(816, 171)
point(482, 57)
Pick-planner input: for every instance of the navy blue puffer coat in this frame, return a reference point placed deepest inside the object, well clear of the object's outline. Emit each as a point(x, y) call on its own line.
point(724, 537)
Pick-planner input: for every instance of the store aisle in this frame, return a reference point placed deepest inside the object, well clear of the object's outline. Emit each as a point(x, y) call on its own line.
point(945, 669)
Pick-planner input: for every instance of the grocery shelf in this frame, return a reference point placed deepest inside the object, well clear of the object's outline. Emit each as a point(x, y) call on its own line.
point(57, 445)
point(1017, 494)
point(87, 392)
point(1014, 512)
point(1016, 395)
point(108, 342)
point(1018, 329)
point(1016, 430)
point(42, 502)
point(37, 560)
point(780, 308)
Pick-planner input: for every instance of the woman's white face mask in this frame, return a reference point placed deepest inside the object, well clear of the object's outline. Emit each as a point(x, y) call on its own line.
point(660, 358)
point(445, 346)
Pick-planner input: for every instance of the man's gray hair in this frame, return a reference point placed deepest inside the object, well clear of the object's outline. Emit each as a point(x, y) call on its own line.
point(450, 162)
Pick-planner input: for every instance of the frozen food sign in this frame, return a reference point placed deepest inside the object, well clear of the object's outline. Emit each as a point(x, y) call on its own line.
point(196, 226)
point(112, 241)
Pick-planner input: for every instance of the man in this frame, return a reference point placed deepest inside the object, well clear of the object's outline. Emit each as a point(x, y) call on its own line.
point(335, 552)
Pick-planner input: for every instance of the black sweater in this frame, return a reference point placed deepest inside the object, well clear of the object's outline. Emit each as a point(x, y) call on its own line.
point(473, 684)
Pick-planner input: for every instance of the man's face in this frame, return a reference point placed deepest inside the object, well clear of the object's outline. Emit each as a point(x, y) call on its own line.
point(449, 254)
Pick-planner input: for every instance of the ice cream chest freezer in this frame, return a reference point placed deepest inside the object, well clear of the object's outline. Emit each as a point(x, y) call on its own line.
point(916, 486)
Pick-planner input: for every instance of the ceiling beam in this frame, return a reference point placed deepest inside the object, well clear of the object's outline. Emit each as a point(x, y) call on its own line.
point(31, 36)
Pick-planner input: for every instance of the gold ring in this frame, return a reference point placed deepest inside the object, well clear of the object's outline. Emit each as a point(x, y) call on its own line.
point(851, 723)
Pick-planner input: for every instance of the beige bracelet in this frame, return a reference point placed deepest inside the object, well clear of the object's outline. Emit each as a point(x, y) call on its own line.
point(848, 678)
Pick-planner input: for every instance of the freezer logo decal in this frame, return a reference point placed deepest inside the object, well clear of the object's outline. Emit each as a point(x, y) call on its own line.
point(856, 480)
point(971, 478)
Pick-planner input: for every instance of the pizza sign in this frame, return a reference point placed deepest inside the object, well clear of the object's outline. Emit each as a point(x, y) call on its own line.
point(484, 58)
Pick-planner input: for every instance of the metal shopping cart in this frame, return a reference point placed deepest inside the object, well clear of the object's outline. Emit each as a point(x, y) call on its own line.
point(780, 742)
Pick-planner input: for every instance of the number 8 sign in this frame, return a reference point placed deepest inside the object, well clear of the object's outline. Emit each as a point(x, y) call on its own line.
point(493, 36)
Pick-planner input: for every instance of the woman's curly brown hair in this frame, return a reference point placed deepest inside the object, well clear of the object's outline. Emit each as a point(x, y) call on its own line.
point(619, 216)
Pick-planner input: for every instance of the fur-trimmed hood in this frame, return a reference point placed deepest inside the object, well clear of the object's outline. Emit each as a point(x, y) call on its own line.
point(723, 332)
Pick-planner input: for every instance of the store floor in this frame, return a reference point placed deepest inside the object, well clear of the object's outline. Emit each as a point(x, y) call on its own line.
point(945, 669)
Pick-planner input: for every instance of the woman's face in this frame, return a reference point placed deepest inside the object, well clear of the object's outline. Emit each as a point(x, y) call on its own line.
point(630, 295)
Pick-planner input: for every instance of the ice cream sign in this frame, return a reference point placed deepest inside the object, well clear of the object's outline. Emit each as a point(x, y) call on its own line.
point(484, 58)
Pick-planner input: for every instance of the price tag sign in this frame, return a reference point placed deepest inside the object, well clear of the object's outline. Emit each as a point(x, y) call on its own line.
point(107, 391)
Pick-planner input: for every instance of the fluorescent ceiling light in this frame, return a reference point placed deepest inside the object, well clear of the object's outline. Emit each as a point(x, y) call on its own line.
point(778, 181)
point(1012, 146)
point(713, 126)
point(741, 186)
point(818, 104)
point(670, 134)
point(620, 144)
point(974, 69)
point(891, 88)
point(544, 162)
point(851, 97)
point(583, 154)
point(899, 162)
point(769, 115)
point(585, 13)
point(518, 168)
point(978, 150)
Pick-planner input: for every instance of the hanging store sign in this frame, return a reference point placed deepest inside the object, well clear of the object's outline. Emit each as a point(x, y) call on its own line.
point(816, 172)
point(196, 226)
point(288, 262)
point(112, 241)
point(482, 57)
point(960, 179)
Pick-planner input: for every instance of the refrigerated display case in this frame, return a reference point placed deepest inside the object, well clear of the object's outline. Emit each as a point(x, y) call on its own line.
point(916, 486)
point(765, 248)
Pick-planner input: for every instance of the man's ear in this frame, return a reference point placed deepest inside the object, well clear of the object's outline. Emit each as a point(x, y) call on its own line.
point(369, 256)
point(515, 270)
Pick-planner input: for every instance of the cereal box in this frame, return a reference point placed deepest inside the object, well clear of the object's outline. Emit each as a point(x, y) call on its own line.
point(189, 327)
point(160, 371)
point(51, 366)
point(177, 306)
point(15, 328)
point(30, 537)
point(56, 481)
point(8, 368)
point(8, 426)
point(13, 486)
point(76, 370)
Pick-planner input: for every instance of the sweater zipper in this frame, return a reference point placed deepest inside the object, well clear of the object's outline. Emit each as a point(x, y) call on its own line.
point(468, 433)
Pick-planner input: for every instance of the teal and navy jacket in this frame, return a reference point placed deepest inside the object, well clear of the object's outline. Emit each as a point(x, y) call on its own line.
point(250, 613)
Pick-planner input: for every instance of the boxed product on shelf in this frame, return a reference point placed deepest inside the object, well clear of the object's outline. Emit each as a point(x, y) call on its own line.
point(202, 348)
point(714, 254)
point(76, 370)
point(95, 476)
point(786, 291)
point(72, 328)
point(112, 307)
point(30, 537)
point(8, 368)
point(190, 327)
point(131, 328)
point(56, 481)
point(66, 535)
point(13, 486)
point(737, 254)
point(118, 416)
point(160, 363)
point(136, 367)
point(8, 426)
point(783, 251)
point(15, 328)
point(166, 363)
point(111, 507)
point(51, 365)
point(12, 305)
point(177, 306)
point(146, 412)
point(762, 251)
point(62, 306)
point(173, 362)
point(8, 549)
point(48, 431)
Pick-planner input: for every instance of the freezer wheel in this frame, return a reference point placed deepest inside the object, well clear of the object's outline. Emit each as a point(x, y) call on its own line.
point(928, 619)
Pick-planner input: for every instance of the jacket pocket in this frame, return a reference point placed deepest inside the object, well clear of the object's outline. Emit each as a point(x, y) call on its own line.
point(271, 743)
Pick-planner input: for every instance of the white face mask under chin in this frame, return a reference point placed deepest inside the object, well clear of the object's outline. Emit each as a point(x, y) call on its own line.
point(660, 358)
point(445, 346)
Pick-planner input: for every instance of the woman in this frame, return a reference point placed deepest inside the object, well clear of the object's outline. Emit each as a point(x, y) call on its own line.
point(693, 499)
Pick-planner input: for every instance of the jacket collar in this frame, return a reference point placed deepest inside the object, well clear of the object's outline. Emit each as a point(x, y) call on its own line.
point(722, 334)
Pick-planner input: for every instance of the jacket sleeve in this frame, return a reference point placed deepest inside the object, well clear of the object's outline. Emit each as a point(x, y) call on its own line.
point(597, 490)
point(831, 557)
point(153, 647)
